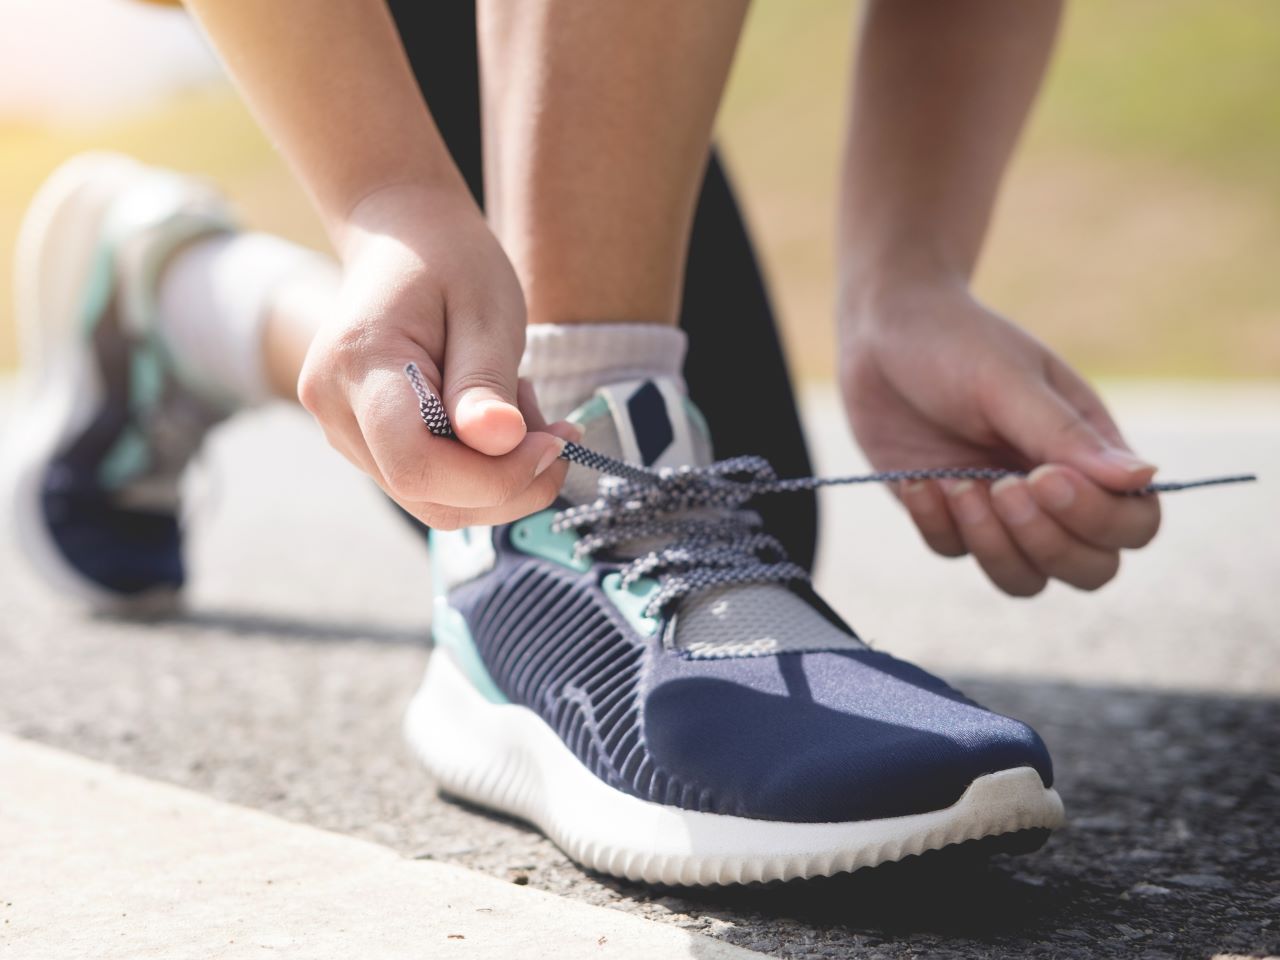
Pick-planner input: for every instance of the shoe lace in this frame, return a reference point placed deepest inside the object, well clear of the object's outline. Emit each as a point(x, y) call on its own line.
point(697, 517)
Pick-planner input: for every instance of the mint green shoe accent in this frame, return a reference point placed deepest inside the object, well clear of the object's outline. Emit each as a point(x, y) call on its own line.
point(698, 419)
point(146, 378)
point(597, 406)
point(450, 632)
point(533, 535)
point(97, 289)
point(130, 457)
point(630, 601)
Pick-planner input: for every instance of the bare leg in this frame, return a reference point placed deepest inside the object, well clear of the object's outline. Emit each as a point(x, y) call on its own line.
point(238, 311)
point(297, 310)
point(597, 123)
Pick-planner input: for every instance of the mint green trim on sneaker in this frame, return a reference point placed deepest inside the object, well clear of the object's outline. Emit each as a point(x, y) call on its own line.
point(699, 421)
point(533, 535)
point(98, 287)
point(596, 407)
point(129, 458)
point(631, 601)
point(450, 632)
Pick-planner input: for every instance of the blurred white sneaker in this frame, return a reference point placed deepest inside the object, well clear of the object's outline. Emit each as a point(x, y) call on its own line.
point(103, 427)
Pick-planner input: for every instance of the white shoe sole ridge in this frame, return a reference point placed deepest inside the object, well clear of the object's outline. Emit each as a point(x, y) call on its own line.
point(505, 757)
point(60, 388)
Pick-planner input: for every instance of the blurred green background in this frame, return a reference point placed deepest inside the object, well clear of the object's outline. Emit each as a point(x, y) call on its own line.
point(1139, 230)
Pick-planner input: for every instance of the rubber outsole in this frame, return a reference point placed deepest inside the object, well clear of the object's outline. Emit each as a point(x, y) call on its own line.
point(504, 757)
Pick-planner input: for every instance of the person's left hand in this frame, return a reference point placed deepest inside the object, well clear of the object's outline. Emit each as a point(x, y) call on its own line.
point(932, 378)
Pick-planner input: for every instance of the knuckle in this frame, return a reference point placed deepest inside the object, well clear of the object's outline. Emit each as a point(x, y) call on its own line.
point(347, 346)
point(480, 379)
point(493, 487)
point(443, 517)
point(312, 388)
point(1054, 551)
point(544, 494)
point(331, 363)
point(1103, 573)
point(505, 486)
point(496, 314)
point(408, 478)
point(1075, 431)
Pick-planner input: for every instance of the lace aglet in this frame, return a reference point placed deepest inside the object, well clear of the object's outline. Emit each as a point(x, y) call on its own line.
point(430, 406)
point(1172, 486)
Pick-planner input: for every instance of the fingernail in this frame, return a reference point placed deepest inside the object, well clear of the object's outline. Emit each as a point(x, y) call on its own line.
point(1013, 501)
point(565, 430)
point(915, 491)
point(1126, 460)
point(550, 457)
point(969, 507)
point(479, 404)
point(576, 431)
point(1058, 492)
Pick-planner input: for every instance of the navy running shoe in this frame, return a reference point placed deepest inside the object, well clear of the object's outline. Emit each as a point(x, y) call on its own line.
point(103, 429)
point(654, 686)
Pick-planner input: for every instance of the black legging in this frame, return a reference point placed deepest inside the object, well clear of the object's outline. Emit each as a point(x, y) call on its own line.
point(746, 396)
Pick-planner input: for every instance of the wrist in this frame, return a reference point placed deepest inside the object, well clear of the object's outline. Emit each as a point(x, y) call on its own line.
point(403, 210)
point(873, 278)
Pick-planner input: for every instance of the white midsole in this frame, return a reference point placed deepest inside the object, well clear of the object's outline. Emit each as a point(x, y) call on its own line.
point(505, 757)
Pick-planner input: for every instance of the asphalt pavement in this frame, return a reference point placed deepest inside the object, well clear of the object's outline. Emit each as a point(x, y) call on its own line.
point(282, 688)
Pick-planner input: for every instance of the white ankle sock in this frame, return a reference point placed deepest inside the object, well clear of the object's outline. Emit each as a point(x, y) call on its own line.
point(567, 363)
point(213, 298)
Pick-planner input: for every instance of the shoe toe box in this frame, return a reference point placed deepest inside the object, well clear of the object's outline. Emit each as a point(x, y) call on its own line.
point(826, 737)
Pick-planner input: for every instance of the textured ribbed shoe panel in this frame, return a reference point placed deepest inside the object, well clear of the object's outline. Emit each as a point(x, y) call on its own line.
point(579, 672)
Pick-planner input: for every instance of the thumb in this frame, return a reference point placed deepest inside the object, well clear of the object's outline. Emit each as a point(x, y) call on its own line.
point(480, 385)
point(1046, 428)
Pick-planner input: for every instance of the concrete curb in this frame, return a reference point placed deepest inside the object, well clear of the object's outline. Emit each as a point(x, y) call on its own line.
point(101, 864)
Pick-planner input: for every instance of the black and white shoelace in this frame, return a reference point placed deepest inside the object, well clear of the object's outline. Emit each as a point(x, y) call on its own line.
point(696, 513)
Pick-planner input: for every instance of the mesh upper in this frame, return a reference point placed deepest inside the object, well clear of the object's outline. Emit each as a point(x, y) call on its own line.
point(754, 620)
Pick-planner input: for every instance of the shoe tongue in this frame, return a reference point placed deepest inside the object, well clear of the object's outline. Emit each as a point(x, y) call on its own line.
point(650, 423)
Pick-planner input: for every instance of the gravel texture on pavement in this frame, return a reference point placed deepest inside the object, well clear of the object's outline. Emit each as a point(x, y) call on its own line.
point(283, 687)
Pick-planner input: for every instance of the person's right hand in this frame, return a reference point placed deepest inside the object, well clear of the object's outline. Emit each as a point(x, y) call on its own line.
point(425, 281)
